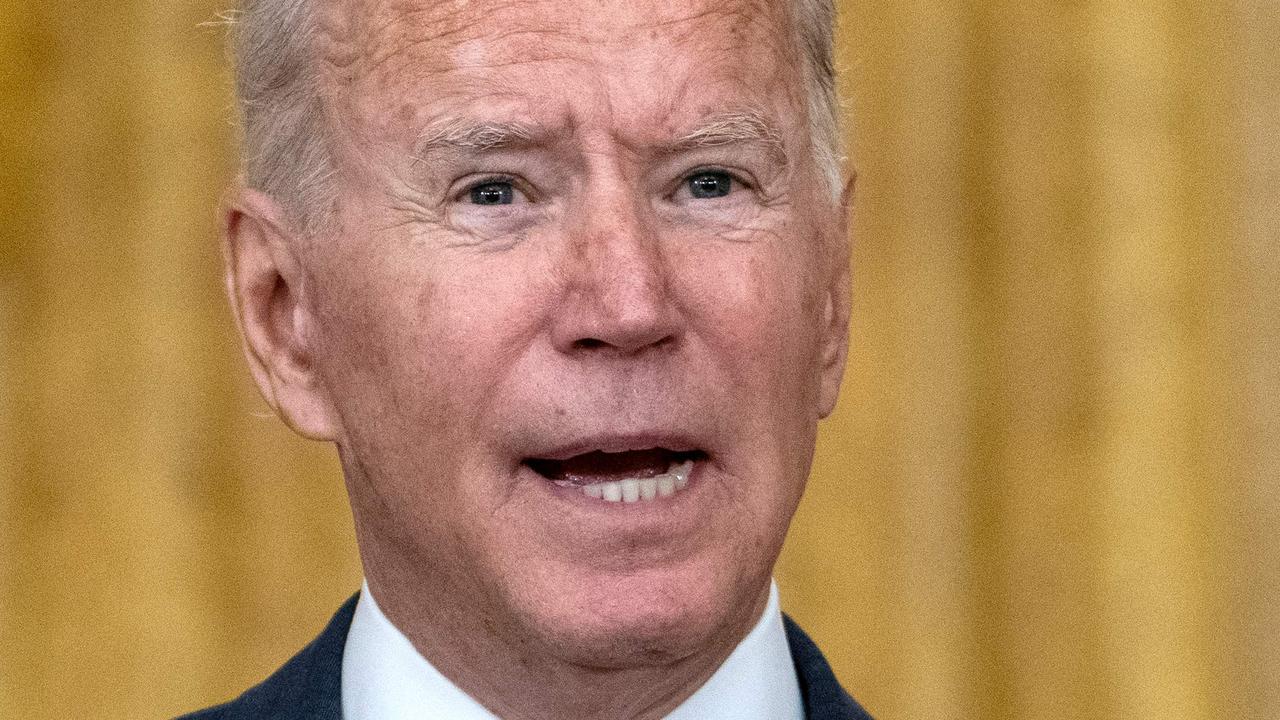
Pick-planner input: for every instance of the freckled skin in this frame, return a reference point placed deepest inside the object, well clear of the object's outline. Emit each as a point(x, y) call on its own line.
point(449, 337)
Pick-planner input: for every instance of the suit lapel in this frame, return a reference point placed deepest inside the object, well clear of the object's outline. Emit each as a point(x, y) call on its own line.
point(824, 698)
point(308, 687)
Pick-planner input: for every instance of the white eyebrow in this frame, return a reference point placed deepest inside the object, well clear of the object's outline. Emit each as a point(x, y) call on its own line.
point(734, 127)
point(461, 135)
point(737, 127)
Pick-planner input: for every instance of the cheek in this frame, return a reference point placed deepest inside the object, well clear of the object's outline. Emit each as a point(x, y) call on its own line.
point(421, 344)
point(756, 305)
point(370, 357)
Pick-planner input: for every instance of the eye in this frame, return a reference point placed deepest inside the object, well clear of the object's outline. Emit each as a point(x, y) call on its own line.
point(709, 184)
point(493, 205)
point(492, 192)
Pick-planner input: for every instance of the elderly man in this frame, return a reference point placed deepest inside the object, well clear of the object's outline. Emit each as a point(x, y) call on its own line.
point(565, 282)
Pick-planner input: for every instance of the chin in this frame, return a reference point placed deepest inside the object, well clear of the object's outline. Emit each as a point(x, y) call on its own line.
point(649, 618)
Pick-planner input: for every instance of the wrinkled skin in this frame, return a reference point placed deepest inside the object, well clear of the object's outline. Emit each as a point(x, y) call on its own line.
point(440, 342)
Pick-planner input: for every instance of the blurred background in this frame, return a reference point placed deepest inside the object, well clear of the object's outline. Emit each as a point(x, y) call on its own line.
point(1051, 488)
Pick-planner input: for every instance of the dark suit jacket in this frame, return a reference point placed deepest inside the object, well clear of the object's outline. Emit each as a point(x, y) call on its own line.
point(309, 686)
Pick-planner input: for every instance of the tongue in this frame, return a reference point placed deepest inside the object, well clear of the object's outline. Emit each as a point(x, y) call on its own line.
point(599, 466)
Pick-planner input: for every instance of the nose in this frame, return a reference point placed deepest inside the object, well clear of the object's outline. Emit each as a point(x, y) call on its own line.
point(616, 295)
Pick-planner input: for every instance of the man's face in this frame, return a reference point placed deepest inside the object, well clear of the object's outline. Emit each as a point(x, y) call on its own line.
point(583, 254)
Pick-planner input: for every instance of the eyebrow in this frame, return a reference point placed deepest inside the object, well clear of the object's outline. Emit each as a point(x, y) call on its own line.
point(459, 135)
point(746, 126)
point(729, 128)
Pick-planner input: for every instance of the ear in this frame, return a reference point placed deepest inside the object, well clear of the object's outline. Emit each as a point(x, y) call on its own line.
point(265, 284)
point(835, 318)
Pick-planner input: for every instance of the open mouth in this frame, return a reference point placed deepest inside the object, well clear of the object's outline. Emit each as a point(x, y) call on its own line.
point(629, 476)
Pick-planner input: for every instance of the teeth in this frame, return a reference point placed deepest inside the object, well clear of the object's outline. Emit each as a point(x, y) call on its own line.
point(612, 491)
point(681, 472)
point(642, 489)
point(649, 489)
point(666, 485)
point(630, 490)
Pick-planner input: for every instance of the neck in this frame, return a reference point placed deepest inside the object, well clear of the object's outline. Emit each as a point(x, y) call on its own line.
point(518, 677)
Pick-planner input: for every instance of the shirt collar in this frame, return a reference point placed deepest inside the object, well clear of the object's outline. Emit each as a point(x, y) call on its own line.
point(385, 678)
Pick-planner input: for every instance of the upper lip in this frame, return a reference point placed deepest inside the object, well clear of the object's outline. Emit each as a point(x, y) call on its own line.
point(615, 443)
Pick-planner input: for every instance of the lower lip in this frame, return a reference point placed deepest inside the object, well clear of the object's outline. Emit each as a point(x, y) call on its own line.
point(621, 534)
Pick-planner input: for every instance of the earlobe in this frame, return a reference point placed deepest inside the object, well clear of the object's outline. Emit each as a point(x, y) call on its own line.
point(835, 348)
point(265, 284)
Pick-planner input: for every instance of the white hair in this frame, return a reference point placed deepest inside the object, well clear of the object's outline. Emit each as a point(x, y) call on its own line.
point(814, 22)
point(285, 140)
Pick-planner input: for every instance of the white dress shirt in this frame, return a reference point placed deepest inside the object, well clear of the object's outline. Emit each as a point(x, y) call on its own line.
point(385, 678)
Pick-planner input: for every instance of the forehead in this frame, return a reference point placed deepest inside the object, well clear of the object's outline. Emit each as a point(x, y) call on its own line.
point(658, 63)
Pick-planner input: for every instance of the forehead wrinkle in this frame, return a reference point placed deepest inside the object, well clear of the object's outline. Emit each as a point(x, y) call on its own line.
point(382, 31)
point(448, 62)
point(732, 18)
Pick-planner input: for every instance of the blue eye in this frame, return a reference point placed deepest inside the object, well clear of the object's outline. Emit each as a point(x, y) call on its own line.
point(710, 184)
point(493, 193)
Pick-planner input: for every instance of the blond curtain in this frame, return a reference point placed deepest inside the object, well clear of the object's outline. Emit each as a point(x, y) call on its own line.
point(1050, 490)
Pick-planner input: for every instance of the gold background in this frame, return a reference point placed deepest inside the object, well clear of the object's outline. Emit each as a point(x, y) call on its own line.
point(1050, 490)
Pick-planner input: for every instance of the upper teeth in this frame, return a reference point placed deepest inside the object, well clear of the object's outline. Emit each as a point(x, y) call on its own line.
point(641, 489)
